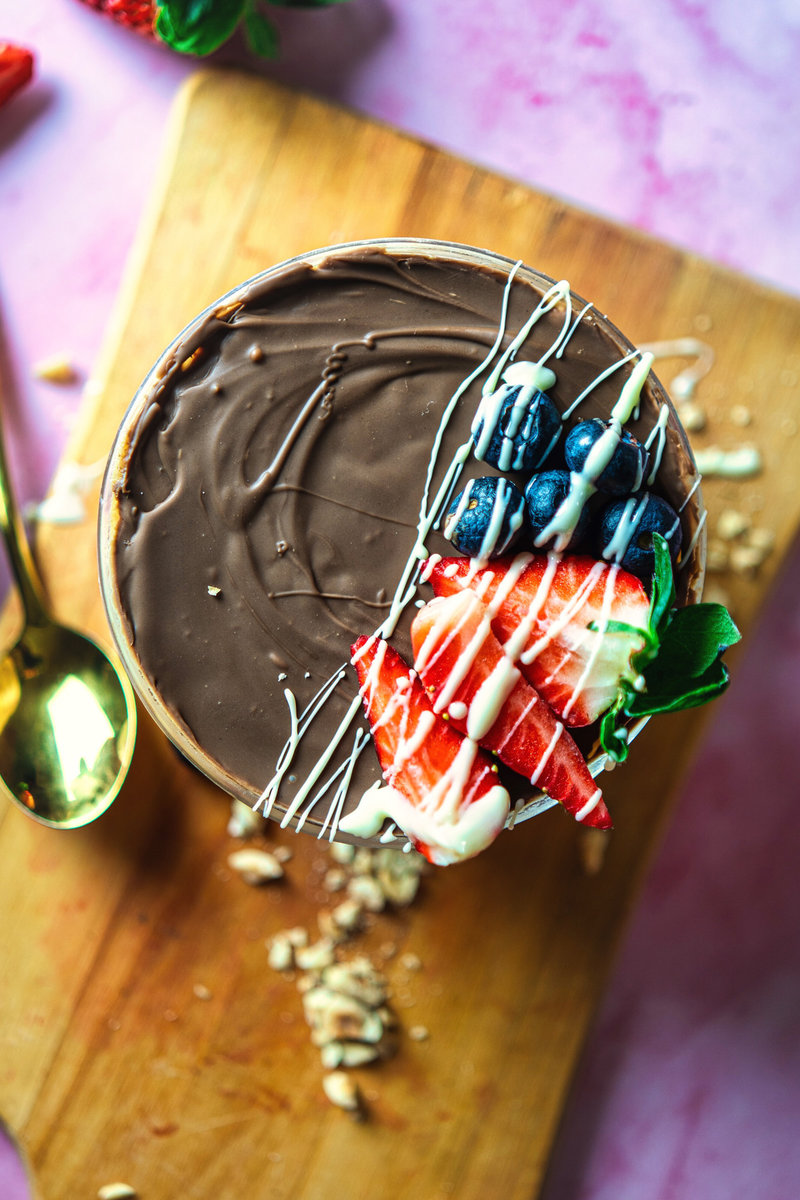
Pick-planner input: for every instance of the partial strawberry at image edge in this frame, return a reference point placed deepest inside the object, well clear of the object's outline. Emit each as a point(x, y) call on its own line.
point(16, 69)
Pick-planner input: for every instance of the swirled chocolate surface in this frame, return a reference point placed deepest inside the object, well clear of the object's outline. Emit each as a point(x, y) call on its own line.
point(268, 485)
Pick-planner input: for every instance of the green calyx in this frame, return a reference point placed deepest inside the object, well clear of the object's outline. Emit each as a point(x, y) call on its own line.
point(201, 26)
point(680, 665)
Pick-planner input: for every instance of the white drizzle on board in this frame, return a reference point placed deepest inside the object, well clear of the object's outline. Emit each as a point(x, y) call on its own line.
point(380, 802)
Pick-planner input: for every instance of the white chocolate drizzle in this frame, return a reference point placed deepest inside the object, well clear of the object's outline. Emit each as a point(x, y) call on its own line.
point(451, 824)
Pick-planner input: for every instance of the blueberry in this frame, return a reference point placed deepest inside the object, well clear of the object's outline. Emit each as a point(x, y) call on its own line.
point(626, 528)
point(543, 497)
point(516, 428)
point(485, 519)
point(625, 470)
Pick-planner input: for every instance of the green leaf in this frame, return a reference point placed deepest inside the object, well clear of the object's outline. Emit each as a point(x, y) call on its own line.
point(694, 639)
point(613, 735)
point(304, 3)
point(703, 688)
point(262, 36)
point(198, 26)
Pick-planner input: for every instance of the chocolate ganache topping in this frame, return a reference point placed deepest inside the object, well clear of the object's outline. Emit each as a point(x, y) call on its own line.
point(275, 485)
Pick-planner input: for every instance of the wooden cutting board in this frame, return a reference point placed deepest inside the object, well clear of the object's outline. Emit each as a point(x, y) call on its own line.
point(143, 1036)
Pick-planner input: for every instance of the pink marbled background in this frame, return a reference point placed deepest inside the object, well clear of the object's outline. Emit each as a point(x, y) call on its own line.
point(680, 117)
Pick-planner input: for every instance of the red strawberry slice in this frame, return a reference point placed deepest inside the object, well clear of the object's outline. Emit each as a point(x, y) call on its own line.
point(461, 662)
point(442, 788)
point(543, 609)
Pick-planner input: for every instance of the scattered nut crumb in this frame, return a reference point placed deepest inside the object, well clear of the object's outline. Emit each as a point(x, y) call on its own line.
point(693, 416)
point(419, 1033)
point(740, 415)
point(747, 558)
point(56, 368)
point(717, 555)
point(280, 953)
point(334, 880)
point(255, 866)
point(316, 956)
point(411, 962)
point(763, 539)
point(283, 854)
point(170, 1014)
point(244, 822)
point(366, 890)
point(117, 1191)
point(213, 590)
point(342, 852)
point(732, 524)
point(342, 1090)
point(201, 991)
point(738, 463)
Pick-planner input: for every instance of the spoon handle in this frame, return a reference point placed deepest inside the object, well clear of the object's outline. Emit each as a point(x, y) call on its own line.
point(23, 568)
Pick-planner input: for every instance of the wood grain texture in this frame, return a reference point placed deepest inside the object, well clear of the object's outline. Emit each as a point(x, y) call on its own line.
point(110, 1065)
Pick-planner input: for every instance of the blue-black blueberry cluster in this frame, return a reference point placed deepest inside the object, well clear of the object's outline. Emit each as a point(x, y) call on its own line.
point(494, 514)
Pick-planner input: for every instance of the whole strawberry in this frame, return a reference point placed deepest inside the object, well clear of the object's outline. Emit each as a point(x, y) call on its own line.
point(136, 14)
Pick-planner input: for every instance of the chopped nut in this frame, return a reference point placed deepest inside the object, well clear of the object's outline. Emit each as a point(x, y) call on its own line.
point(334, 880)
point(717, 555)
point(57, 368)
point(763, 539)
point(348, 916)
point(342, 1090)
point(732, 524)
point(342, 852)
point(213, 590)
point(741, 415)
point(411, 962)
point(398, 875)
point(297, 935)
point(316, 956)
point(747, 558)
point(419, 1033)
point(283, 854)
point(201, 991)
point(361, 863)
point(280, 953)
point(693, 416)
point(368, 892)
point(117, 1191)
point(348, 1054)
point(357, 978)
point(334, 1017)
point(255, 866)
point(244, 822)
point(738, 463)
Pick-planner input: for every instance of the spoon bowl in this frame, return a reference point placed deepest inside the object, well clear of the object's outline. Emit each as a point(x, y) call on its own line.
point(67, 726)
point(67, 714)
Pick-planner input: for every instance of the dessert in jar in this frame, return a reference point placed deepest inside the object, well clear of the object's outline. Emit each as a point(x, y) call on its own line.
point(395, 538)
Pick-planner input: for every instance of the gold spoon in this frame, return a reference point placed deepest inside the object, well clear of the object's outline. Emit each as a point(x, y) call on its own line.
point(67, 715)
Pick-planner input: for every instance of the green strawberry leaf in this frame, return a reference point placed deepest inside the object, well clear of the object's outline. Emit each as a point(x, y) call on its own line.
point(680, 664)
point(198, 26)
point(201, 26)
point(262, 36)
point(305, 3)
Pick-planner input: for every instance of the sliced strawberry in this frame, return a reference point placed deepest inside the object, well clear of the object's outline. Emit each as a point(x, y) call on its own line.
point(16, 68)
point(552, 615)
point(484, 695)
point(442, 788)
